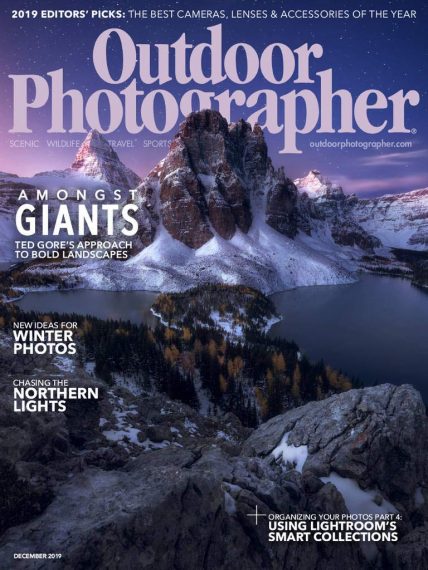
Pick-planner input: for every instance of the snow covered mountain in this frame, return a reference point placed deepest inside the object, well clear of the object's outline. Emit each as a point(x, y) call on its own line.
point(399, 220)
point(215, 209)
point(97, 159)
point(216, 180)
point(96, 167)
point(317, 186)
point(10, 186)
point(396, 220)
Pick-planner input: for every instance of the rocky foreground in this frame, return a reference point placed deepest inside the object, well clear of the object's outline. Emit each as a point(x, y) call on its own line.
point(176, 491)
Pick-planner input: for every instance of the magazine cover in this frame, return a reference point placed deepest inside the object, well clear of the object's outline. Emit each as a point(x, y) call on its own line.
point(213, 285)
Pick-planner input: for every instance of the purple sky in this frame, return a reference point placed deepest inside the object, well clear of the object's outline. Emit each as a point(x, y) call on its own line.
point(383, 54)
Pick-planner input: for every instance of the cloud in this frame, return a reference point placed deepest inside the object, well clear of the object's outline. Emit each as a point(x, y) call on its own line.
point(394, 158)
point(378, 186)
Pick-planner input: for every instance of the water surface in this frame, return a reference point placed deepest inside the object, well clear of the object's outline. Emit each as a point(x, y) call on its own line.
point(131, 306)
point(375, 329)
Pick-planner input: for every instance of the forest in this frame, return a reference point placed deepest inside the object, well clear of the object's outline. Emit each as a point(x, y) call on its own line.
point(235, 307)
point(255, 377)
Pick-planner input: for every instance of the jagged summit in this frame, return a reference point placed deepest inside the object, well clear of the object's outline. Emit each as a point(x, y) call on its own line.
point(394, 220)
point(206, 120)
point(216, 210)
point(96, 158)
point(213, 178)
point(316, 186)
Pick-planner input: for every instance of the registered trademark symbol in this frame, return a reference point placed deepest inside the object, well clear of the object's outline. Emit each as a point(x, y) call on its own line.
point(414, 131)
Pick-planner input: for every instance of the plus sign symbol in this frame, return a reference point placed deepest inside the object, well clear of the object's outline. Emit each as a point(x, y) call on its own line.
point(256, 515)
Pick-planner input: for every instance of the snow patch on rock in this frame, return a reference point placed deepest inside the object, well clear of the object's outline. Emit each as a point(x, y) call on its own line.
point(292, 456)
point(357, 500)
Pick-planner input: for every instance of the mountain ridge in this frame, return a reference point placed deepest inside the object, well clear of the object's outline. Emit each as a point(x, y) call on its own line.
point(97, 159)
point(392, 220)
point(216, 209)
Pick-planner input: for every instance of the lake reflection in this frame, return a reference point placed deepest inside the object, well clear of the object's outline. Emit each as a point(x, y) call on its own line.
point(375, 329)
point(131, 306)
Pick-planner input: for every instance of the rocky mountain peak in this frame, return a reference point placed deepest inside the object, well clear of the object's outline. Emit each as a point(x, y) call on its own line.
point(324, 203)
point(97, 158)
point(315, 185)
point(96, 141)
point(210, 178)
point(207, 121)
